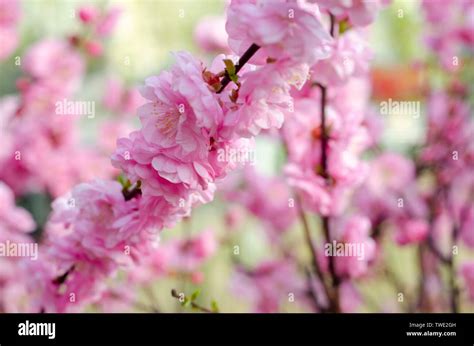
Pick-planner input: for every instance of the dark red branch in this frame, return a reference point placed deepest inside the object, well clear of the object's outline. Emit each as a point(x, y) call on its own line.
point(242, 61)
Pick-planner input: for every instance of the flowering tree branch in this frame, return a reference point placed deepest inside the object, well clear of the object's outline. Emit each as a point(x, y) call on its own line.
point(242, 61)
point(184, 300)
point(324, 173)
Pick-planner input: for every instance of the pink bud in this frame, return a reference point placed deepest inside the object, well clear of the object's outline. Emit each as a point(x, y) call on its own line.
point(197, 278)
point(94, 48)
point(88, 14)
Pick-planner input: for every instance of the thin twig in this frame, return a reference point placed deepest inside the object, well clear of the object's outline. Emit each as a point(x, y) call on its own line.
point(194, 305)
point(314, 254)
point(242, 61)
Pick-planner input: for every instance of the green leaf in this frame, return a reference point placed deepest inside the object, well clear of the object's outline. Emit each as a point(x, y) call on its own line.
point(186, 302)
point(124, 181)
point(344, 25)
point(230, 68)
point(195, 295)
point(214, 306)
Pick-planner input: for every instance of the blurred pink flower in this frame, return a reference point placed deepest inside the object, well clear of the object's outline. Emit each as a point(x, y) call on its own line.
point(467, 272)
point(121, 99)
point(186, 255)
point(88, 14)
point(210, 35)
point(15, 222)
point(350, 298)
point(55, 63)
point(107, 21)
point(93, 48)
point(355, 231)
point(268, 198)
point(410, 231)
point(350, 57)
point(9, 18)
point(359, 12)
point(269, 285)
point(345, 171)
point(9, 39)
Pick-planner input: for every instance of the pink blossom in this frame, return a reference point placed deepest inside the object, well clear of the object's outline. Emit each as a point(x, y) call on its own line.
point(120, 99)
point(182, 255)
point(268, 198)
point(88, 14)
point(175, 153)
point(390, 171)
point(9, 39)
point(284, 30)
point(262, 102)
point(94, 48)
point(450, 30)
point(101, 232)
point(55, 63)
point(350, 57)
point(186, 255)
point(210, 35)
point(347, 139)
point(355, 231)
point(411, 231)
point(360, 12)
point(15, 222)
point(107, 22)
point(9, 18)
point(269, 285)
point(350, 297)
point(389, 176)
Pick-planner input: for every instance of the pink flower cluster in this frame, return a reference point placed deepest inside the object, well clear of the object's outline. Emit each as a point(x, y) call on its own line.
point(91, 233)
point(40, 129)
point(173, 161)
point(452, 30)
point(38, 135)
point(286, 30)
point(325, 193)
point(391, 195)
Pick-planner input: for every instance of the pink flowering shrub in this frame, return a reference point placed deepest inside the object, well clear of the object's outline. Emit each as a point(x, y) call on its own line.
point(163, 189)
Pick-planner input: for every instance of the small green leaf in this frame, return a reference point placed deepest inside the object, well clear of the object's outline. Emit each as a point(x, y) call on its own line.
point(214, 306)
point(230, 68)
point(186, 302)
point(124, 181)
point(344, 25)
point(195, 295)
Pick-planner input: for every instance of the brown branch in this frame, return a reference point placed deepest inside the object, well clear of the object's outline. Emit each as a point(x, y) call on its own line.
point(314, 254)
point(134, 192)
point(194, 305)
point(242, 61)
